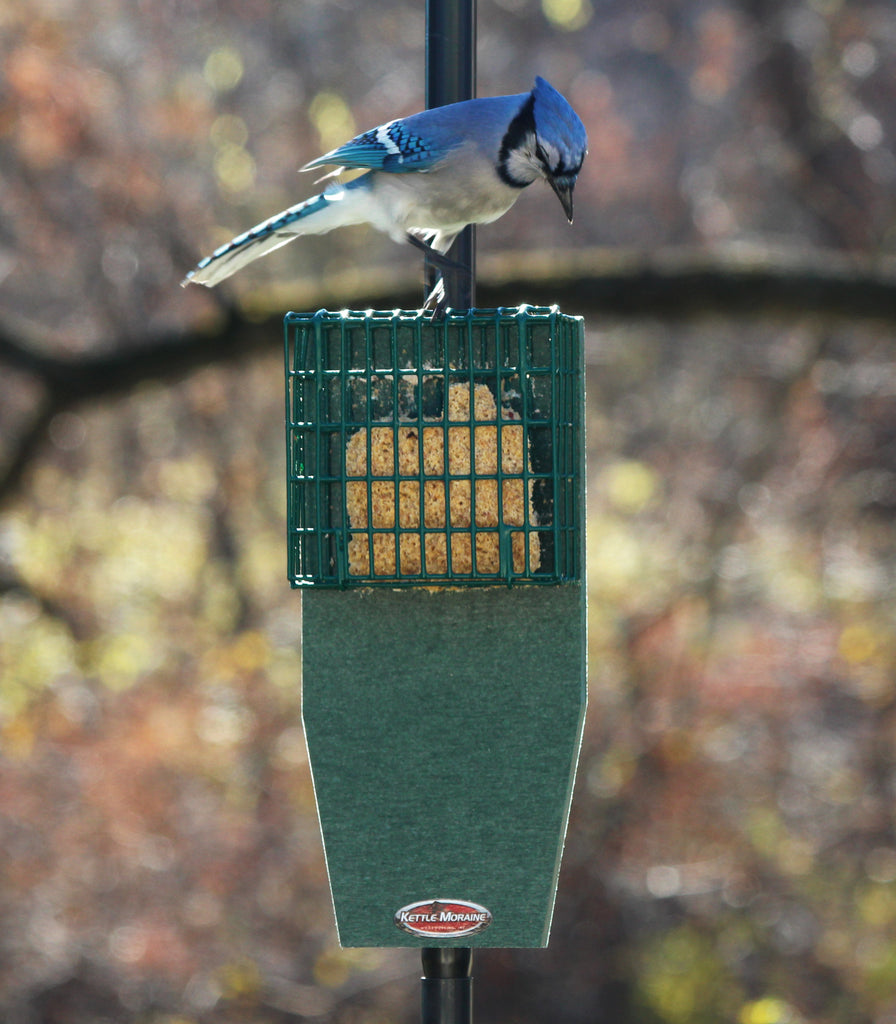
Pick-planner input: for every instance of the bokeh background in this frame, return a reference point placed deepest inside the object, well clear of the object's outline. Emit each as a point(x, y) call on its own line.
point(732, 850)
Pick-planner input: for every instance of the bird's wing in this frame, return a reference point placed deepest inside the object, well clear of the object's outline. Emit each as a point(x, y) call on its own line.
point(396, 147)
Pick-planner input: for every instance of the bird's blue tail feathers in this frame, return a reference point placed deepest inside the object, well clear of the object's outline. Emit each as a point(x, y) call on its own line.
point(272, 233)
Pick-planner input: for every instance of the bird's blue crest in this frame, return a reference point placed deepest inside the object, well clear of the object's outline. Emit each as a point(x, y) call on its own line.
point(556, 121)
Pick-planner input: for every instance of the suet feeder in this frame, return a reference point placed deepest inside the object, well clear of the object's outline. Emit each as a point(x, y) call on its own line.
point(436, 524)
point(436, 504)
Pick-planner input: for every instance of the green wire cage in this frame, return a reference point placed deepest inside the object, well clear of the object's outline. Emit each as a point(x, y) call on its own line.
point(436, 453)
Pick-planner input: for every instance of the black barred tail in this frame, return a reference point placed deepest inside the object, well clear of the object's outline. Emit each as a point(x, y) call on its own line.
point(337, 206)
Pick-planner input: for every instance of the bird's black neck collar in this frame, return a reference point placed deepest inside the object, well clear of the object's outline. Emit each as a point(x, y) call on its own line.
point(520, 130)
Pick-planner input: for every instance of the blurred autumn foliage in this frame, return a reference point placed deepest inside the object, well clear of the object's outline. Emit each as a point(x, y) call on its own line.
point(732, 849)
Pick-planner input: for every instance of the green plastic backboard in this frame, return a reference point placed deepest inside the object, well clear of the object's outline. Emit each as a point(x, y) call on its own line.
point(443, 721)
point(443, 731)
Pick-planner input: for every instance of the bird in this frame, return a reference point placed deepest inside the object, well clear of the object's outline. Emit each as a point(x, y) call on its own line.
point(427, 177)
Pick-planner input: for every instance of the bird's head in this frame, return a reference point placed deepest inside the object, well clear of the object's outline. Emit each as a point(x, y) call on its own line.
point(546, 139)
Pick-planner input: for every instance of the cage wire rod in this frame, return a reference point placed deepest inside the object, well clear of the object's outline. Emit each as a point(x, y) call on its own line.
point(470, 384)
point(418, 424)
point(321, 462)
point(522, 362)
point(450, 78)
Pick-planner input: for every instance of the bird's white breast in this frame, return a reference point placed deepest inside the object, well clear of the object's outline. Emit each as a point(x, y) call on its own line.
point(466, 190)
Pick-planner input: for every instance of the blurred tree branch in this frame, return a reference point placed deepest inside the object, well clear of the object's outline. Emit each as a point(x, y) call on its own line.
point(684, 282)
point(69, 380)
point(12, 583)
point(667, 283)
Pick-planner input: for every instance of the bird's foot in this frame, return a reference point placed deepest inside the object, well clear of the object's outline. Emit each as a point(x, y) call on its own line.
point(437, 301)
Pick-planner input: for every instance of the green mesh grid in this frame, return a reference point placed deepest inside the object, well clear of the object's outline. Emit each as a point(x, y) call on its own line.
point(434, 453)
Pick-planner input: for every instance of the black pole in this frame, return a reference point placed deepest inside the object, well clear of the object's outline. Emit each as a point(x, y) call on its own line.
point(450, 78)
point(447, 986)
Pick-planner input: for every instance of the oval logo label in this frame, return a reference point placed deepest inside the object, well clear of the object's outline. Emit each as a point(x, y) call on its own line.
point(445, 919)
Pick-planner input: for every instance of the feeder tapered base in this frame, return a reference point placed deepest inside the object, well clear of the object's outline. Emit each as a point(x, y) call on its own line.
point(443, 731)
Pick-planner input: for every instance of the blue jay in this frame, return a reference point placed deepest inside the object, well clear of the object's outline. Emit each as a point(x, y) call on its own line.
point(429, 176)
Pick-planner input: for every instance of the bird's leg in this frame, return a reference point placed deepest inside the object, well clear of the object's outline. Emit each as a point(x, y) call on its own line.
point(436, 258)
point(438, 266)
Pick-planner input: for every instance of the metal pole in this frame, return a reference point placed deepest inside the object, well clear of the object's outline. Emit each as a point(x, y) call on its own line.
point(450, 78)
point(447, 986)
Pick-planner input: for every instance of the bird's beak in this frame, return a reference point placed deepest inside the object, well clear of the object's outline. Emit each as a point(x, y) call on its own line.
point(563, 191)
